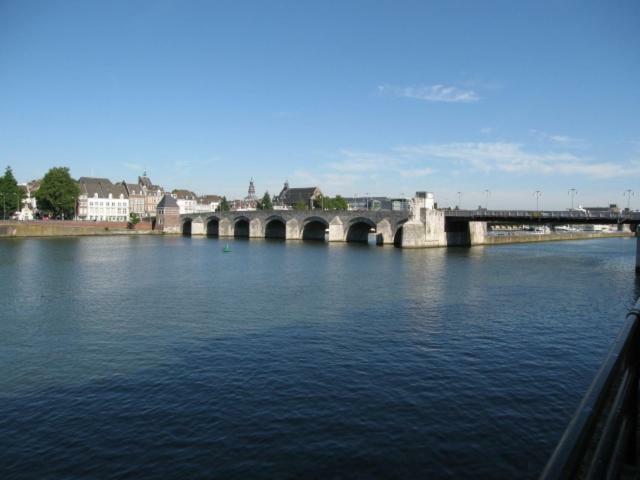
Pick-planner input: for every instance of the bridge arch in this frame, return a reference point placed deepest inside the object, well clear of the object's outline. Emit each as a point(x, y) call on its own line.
point(275, 226)
point(358, 230)
point(213, 226)
point(314, 228)
point(241, 227)
point(186, 226)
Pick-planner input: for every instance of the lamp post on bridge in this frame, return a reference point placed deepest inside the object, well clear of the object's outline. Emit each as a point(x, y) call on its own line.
point(537, 194)
point(459, 200)
point(487, 192)
point(572, 193)
point(628, 193)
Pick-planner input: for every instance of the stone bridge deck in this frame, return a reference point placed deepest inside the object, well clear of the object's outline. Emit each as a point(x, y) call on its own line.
point(298, 225)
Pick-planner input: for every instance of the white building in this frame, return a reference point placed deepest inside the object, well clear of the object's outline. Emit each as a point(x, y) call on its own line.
point(207, 203)
point(101, 200)
point(186, 199)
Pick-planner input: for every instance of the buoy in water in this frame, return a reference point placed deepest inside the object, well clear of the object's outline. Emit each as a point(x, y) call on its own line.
point(226, 248)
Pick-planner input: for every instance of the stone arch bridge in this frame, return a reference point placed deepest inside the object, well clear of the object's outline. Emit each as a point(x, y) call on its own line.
point(334, 226)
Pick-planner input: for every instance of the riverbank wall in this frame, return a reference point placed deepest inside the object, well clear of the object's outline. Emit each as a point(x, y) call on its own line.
point(549, 237)
point(54, 228)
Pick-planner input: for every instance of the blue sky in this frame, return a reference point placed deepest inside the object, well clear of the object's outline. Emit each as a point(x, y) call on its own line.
point(356, 97)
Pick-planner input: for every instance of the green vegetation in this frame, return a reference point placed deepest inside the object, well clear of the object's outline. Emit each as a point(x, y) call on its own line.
point(134, 219)
point(265, 203)
point(328, 203)
point(224, 205)
point(300, 205)
point(10, 194)
point(58, 193)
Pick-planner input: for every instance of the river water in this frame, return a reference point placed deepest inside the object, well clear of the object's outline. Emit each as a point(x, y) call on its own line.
point(152, 357)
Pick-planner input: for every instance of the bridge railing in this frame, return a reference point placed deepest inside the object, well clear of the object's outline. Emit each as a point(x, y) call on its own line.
point(534, 214)
point(601, 437)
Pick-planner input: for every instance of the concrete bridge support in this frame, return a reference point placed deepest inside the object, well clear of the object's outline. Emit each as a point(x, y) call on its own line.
point(336, 230)
point(256, 229)
point(293, 230)
point(385, 232)
point(225, 228)
point(198, 227)
point(477, 233)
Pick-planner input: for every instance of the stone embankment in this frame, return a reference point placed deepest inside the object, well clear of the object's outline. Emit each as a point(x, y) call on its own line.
point(63, 228)
point(549, 237)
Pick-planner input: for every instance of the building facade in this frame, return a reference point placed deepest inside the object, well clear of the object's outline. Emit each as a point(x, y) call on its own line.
point(288, 197)
point(208, 203)
point(168, 215)
point(101, 200)
point(186, 200)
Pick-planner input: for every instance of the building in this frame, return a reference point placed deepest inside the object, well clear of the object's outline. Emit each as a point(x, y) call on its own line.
point(369, 203)
point(425, 200)
point(137, 198)
point(208, 203)
point(399, 204)
point(186, 200)
point(288, 197)
point(102, 200)
point(168, 215)
point(248, 203)
point(611, 209)
point(144, 196)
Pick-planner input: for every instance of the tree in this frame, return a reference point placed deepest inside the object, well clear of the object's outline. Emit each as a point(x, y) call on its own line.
point(58, 193)
point(340, 203)
point(224, 205)
point(300, 205)
point(134, 219)
point(265, 203)
point(10, 194)
point(328, 203)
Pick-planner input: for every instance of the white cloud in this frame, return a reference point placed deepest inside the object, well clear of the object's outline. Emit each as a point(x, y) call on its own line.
point(418, 172)
point(354, 161)
point(558, 139)
point(431, 93)
point(514, 158)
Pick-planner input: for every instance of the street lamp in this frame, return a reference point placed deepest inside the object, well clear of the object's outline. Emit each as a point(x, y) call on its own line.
point(487, 192)
point(537, 194)
point(459, 200)
point(572, 193)
point(628, 193)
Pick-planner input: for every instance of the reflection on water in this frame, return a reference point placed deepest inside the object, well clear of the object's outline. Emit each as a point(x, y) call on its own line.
point(165, 357)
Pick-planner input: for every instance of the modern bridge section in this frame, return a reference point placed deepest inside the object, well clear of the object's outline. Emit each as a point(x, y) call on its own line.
point(385, 226)
point(544, 216)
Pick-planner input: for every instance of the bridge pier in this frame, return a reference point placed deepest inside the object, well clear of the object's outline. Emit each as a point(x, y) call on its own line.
point(256, 229)
point(385, 231)
point(336, 230)
point(225, 228)
point(198, 227)
point(477, 233)
point(292, 230)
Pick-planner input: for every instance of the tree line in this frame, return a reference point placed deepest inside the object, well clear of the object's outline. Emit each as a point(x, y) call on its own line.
point(56, 196)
